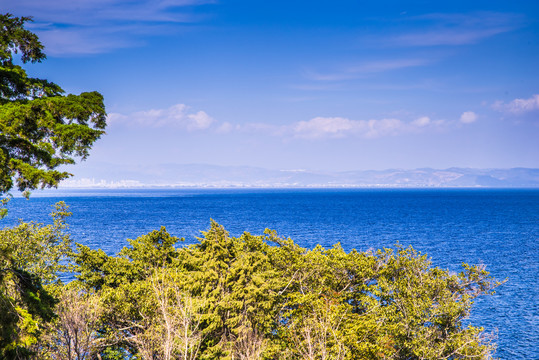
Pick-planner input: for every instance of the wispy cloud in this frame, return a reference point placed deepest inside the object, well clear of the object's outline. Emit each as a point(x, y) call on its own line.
point(88, 12)
point(179, 116)
point(421, 31)
point(69, 27)
point(83, 40)
point(366, 68)
point(446, 37)
point(453, 29)
point(518, 106)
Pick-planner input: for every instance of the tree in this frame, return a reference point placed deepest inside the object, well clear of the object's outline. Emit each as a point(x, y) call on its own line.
point(173, 331)
point(212, 300)
point(73, 333)
point(383, 305)
point(245, 298)
point(41, 128)
point(31, 257)
point(144, 305)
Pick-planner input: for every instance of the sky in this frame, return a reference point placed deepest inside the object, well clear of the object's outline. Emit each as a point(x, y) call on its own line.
point(317, 85)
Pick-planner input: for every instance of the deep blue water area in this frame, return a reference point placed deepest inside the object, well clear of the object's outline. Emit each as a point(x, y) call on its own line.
point(497, 228)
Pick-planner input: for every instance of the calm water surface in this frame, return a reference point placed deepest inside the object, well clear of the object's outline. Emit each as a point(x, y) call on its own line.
point(497, 228)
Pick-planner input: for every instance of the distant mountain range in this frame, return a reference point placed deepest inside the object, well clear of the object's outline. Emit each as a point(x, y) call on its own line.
point(199, 175)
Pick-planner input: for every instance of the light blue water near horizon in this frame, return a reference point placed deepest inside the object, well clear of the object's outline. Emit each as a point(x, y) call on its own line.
point(495, 227)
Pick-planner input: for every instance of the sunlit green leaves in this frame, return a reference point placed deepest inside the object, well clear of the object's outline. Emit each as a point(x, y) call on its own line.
point(32, 256)
point(41, 127)
point(263, 297)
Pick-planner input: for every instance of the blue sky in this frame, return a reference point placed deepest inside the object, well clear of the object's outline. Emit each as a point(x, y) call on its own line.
point(341, 85)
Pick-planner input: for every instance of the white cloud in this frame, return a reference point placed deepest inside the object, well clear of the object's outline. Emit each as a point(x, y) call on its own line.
point(320, 126)
point(383, 127)
point(338, 127)
point(181, 116)
point(518, 106)
point(335, 127)
point(421, 122)
point(198, 121)
point(468, 117)
point(177, 116)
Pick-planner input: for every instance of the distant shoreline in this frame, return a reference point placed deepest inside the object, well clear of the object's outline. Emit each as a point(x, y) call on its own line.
point(138, 191)
point(215, 177)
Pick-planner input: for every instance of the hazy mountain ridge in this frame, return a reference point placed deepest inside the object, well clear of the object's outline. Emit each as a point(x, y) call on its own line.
point(200, 175)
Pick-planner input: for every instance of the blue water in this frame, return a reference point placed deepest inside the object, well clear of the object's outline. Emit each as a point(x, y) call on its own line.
point(497, 228)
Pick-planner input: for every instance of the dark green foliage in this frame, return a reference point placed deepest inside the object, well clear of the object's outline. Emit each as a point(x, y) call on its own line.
point(31, 257)
point(14, 37)
point(25, 306)
point(236, 278)
point(41, 128)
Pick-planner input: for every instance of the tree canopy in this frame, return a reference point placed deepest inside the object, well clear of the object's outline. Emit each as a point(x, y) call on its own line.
point(264, 297)
point(41, 127)
point(248, 297)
